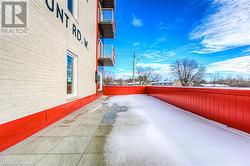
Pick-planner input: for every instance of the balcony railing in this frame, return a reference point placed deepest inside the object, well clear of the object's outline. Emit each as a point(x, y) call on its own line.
point(106, 22)
point(106, 54)
point(108, 3)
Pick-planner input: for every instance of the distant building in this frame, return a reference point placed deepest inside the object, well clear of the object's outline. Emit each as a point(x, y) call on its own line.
point(131, 83)
point(162, 83)
point(214, 85)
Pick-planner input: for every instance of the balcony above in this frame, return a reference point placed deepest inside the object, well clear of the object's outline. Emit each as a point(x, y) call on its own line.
point(106, 61)
point(106, 23)
point(108, 3)
point(106, 55)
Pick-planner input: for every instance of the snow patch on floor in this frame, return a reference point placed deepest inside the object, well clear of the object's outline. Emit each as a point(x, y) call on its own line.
point(152, 132)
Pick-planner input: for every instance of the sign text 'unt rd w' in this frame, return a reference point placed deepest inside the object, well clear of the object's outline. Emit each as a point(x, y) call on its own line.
point(65, 19)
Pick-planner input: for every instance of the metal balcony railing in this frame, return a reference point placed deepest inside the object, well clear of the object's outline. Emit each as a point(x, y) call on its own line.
point(106, 15)
point(106, 54)
point(107, 22)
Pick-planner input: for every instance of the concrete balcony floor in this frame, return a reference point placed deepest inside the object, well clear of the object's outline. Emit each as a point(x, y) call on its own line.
point(133, 130)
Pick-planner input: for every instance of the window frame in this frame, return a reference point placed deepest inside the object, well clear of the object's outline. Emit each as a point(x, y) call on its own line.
point(75, 8)
point(99, 74)
point(74, 93)
point(71, 5)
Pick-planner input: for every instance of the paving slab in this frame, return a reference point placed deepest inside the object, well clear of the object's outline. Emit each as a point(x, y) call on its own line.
point(40, 145)
point(134, 130)
point(92, 160)
point(19, 160)
point(60, 160)
point(96, 145)
point(61, 130)
point(104, 130)
point(71, 145)
point(84, 130)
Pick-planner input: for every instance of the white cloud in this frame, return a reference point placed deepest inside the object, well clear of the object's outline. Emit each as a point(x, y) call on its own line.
point(171, 54)
point(161, 26)
point(158, 55)
point(151, 54)
point(239, 65)
point(123, 74)
point(162, 69)
point(136, 21)
point(136, 44)
point(247, 50)
point(161, 39)
point(226, 26)
point(158, 41)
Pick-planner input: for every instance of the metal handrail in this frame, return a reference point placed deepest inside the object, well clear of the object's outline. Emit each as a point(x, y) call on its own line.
point(113, 54)
point(106, 15)
point(104, 51)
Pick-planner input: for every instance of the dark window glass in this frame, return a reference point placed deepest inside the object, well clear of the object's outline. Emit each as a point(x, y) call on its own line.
point(99, 80)
point(69, 74)
point(70, 6)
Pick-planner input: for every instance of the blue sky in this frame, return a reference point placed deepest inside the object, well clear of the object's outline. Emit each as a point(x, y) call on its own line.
point(214, 32)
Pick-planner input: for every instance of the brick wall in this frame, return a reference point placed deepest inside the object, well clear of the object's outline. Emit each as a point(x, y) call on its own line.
point(33, 66)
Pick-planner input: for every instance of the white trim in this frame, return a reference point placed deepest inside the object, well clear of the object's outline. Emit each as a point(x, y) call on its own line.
point(101, 79)
point(75, 75)
point(75, 9)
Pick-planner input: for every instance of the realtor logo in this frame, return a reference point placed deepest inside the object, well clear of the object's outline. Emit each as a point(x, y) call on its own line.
point(14, 14)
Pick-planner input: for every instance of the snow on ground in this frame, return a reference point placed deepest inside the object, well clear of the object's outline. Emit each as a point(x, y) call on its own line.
point(152, 132)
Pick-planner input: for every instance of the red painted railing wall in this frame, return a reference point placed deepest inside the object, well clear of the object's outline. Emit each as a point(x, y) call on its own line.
point(123, 90)
point(228, 106)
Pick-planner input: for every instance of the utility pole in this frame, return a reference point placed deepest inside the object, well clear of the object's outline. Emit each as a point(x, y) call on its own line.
point(134, 68)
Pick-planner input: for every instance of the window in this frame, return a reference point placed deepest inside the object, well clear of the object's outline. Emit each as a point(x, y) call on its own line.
point(71, 75)
point(73, 6)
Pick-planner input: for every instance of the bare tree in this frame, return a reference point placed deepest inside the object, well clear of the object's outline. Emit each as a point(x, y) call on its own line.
point(214, 77)
point(188, 71)
point(155, 77)
point(234, 81)
point(108, 78)
point(144, 75)
point(120, 81)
